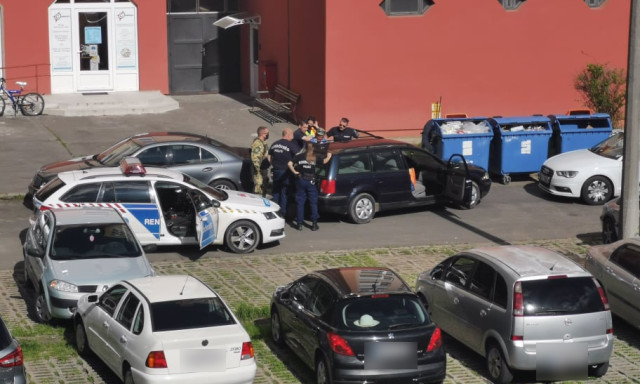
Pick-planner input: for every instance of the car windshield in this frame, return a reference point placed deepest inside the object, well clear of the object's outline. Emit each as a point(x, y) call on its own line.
point(380, 313)
point(612, 147)
point(213, 192)
point(112, 156)
point(93, 241)
point(189, 314)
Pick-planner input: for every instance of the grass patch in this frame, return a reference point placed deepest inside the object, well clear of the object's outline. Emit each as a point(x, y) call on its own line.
point(42, 342)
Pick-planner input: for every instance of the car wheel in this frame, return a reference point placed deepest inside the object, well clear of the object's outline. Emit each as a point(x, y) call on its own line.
point(596, 190)
point(497, 367)
point(323, 374)
point(27, 282)
point(81, 339)
point(242, 237)
point(362, 208)
point(223, 185)
point(609, 234)
point(128, 376)
point(40, 308)
point(475, 197)
point(598, 370)
point(276, 327)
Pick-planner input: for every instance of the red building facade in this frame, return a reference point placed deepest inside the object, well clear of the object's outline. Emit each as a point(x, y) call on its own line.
point(350, 58)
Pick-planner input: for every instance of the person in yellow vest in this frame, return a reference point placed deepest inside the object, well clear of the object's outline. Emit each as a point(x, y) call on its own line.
point(259, 149)
point(312, 125)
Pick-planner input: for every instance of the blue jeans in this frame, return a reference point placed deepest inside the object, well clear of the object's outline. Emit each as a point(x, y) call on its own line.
point(281, 182)
point(305, 189)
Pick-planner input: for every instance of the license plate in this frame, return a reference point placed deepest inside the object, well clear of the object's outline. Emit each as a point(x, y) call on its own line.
point(203, 360)
point(391, 355)
point(544, 178)
point(561, 361)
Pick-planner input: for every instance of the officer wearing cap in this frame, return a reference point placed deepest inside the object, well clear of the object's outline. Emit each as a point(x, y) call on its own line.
point(319, 138)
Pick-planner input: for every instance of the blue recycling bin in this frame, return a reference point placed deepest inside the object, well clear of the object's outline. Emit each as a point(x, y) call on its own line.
point(470, 137)
point(571, 132)
point(519, 145)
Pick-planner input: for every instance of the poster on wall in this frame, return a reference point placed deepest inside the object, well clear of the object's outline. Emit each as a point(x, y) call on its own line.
point(126, 41)
point(93, 35)
point(60, 40)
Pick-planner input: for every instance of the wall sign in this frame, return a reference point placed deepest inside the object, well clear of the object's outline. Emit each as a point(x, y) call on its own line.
point(126, 52)
point(60, 40)
point(92, 35)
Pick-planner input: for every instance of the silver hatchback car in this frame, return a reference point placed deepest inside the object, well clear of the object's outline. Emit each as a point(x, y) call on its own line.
point(522, 308)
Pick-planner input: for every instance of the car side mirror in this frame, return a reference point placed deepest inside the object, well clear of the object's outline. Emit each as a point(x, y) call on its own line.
point(285, 297)
point(34, 252)
point(215, 203)
point(436, 275)
point(92, 298)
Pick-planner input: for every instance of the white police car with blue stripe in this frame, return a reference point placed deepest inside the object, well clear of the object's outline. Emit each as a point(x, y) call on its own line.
point(166, 207)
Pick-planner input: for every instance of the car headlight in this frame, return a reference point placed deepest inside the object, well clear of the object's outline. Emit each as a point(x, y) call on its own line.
point(485, 176)
point(63, 286)
point(567, 174)
point(271, 215)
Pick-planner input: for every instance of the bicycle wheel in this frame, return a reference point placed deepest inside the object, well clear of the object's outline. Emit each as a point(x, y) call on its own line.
point(32, 104)
point(2, 105)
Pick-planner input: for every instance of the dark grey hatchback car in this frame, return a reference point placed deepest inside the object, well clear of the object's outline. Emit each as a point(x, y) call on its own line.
point(358, 325)
point(366, 176)
point(11, 359)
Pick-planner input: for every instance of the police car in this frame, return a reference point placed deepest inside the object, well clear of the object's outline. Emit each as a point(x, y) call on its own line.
point(165, 207)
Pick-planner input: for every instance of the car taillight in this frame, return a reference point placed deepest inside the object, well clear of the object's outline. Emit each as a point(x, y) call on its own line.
point(247, 351)
point(156, 359)
point(44, 208)
point(328, 186)
point(603, 296)
point(14, 359)
point(436, 340)
point(339, 345)
point(518, 303)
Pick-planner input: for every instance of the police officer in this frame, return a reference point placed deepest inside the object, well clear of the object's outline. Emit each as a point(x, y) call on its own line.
point(303, 166)
point(259, 167)
point(280, 154)
point(342, 132)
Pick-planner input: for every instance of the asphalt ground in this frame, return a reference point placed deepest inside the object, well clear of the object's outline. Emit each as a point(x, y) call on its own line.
point(249, 280)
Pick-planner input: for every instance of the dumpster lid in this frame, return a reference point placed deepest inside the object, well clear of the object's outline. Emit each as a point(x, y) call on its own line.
point(521, 119)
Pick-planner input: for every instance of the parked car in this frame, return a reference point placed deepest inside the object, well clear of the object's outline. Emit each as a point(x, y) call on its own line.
point(593, 175)
point(370, 175)
point(208, 160)
point(522, 308)
point(11, 358)
point(165, 329)
point(166, 207)
point(610, 219)
point(70, 252)
point(358, 324)
point(617, 268)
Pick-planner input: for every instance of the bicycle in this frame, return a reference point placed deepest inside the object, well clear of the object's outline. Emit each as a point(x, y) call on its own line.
point(31, 104)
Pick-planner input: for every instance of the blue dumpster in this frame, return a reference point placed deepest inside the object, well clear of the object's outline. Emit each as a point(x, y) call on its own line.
point(470, 137)
point(519, 145)
point(571, 132)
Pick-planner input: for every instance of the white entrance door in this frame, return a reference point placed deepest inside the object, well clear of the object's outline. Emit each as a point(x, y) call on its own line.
point(93, 61)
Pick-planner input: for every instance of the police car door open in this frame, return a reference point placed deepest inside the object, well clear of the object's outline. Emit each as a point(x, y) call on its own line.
point(206, 218)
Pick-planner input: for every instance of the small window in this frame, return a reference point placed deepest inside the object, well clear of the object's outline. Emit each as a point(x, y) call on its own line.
point(500, 292)
point(85, 193)
point(208, 157)
point(181, 6)
point(628, 258)
point(321, 299)
point(110, 299)
point(131, 192)
point(511, 5)
point(153, 156)
point(405, 7)
point(595, 3)
point(301, 291)
point(49, 189)
point(358, 163)
point(201, 6)
point(185, 154)
point(385, 161)
point(128, 311)
point(138, 323)
point(482, 281)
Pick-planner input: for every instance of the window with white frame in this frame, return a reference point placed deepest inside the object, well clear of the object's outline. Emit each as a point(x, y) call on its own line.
point(405, 7)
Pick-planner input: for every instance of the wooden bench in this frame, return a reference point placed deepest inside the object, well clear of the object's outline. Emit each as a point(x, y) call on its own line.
point(278, 108)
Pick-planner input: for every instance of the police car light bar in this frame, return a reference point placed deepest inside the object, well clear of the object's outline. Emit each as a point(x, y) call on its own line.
point(132, 166)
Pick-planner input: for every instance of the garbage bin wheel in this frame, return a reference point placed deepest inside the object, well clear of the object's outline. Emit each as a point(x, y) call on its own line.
point(506, 179)
point(597, 190)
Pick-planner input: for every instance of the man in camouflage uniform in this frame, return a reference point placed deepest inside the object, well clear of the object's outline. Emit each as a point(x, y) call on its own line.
point(259, 150)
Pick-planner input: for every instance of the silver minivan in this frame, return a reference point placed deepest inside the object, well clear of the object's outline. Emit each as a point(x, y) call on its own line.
point(522, 308)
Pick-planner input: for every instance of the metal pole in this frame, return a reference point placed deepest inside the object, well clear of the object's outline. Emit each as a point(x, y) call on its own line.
point(630, 213)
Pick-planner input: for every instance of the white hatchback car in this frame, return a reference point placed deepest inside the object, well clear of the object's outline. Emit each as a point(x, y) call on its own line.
point(594, 175)
point(166, 207)
point(165, 329)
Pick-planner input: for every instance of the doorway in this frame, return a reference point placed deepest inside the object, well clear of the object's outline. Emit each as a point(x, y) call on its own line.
point(94, 69)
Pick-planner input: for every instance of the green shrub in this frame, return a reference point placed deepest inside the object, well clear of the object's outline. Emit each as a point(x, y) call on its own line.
point(603, 90)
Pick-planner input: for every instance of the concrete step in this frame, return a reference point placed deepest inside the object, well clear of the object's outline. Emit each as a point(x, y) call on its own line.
point(108, 104)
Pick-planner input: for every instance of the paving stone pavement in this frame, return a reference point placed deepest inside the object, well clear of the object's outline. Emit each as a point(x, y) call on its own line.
point(248, 281)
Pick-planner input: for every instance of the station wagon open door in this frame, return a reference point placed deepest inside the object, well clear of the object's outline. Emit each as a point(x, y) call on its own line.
point(458, 185)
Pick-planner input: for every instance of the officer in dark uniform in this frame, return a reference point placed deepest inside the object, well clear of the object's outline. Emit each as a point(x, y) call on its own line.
point(342, 132)
point(303, 166)
point(280, 154)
